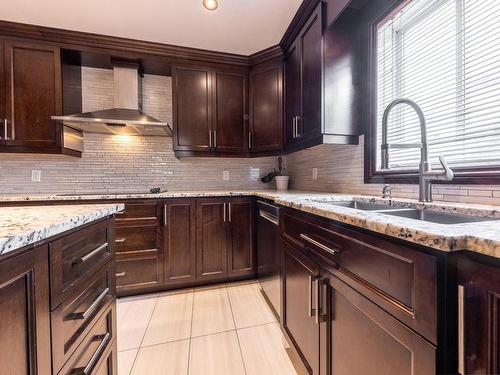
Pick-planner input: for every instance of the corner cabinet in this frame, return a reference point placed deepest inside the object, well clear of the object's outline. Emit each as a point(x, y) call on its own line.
point(478, 315)
point(311, 76)
point(30, 93)
point(224, 238)
point(266, 107)
point(209, 111)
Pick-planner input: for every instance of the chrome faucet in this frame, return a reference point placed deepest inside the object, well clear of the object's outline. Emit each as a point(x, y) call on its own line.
point(426, 175)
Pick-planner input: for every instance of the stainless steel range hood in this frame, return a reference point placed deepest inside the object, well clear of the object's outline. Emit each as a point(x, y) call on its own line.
point(126, 117)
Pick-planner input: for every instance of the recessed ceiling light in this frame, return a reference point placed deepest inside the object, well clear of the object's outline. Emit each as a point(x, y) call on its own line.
point(211, 4)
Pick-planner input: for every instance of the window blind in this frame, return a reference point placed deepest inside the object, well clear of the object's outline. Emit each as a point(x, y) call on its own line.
point(445, 56)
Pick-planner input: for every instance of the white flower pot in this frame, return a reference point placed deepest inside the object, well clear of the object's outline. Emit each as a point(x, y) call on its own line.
point(282, 182)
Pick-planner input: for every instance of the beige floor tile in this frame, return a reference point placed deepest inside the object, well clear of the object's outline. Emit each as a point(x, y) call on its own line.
point(171, 319)
point(217, 354)
point(133, 315)
point(211, 312)
point(210, 287)
point(263, 351)
point(166, 359)
point(126, 361)
point(249, 306)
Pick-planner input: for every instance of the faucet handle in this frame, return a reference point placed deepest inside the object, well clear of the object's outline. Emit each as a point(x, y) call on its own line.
point(448, 172)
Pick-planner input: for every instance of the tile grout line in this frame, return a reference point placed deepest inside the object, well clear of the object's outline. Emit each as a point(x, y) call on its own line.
point(237, 336)
point(190, 333)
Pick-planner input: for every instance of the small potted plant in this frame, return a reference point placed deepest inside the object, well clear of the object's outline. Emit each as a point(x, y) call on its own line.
point(281, 179)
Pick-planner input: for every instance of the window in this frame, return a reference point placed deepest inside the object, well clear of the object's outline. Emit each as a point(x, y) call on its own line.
point(445, 56)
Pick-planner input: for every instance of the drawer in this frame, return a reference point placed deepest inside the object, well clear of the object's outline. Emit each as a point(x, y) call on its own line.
point(92, 350)
point(141, 212)
point(109, 363)
point(73, 318)
point(74, 258)
point(267, 208)
point(136, 238)
point(401, 279)
point(138, 272)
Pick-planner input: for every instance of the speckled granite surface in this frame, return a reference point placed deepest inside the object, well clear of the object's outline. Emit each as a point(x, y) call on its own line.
point(22, 226)
point(481, 237)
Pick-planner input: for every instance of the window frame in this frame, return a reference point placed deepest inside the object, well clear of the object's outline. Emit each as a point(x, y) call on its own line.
point(481, 175)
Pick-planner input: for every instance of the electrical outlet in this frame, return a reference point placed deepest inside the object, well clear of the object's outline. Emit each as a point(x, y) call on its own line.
point(225, 175)
point(315, 174)
point(36, 175)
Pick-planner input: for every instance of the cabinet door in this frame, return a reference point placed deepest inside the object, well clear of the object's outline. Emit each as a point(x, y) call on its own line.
point(299, 278)
point(241, 253)
point(293, 95)
point(139, 247)
point(33, 95)
point(2, 96)
point(479, 318)
point(230, 130)
point(358, 337)
point(266, 108)
point(24, 311)
point(311, 55)
point(180, 249)
point(211, 238)
point(192, 108)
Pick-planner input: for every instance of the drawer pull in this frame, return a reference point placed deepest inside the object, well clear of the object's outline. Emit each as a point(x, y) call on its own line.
point(120, 240)
point(273, 219)
point(120, 274)
point(94, 305)
point(320, 245)
point(93, 360)
point(91, 254)
point(310, 308)
point(120, 213)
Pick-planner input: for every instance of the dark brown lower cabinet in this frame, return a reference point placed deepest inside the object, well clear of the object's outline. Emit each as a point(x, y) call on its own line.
point(139, 247)
point(179, 241)
point(224, 238)
point(25, 314)
point(211, 238)
point(358, 337)
point(241, 254)
point(299, 277)
point(479, 316)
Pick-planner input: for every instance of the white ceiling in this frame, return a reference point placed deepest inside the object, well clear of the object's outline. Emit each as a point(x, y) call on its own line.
point(237, 26)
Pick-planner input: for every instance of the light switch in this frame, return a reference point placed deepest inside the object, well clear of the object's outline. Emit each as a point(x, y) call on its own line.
point(36, 175)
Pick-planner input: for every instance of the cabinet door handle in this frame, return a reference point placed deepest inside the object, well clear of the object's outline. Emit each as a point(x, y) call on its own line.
point(120, 274)
point(5, 126)
point(165, 215)
point(224, 214)
point(94, 305)
point(249, 140)
point(321, 286)
point(210, 138)
point(461, 326)
point(91, 254)
point(97, 354)
point(215, 138)
point(294, 126)
point(120, 240)
point(229, 211)
point(320, 245)
point(298, 133)
point(310, 308)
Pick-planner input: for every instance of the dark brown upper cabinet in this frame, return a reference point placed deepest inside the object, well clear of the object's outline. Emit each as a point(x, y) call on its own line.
point(266, 107)
point(192, 108)
point(30, 93)
point(210, 111)
point(315, 82)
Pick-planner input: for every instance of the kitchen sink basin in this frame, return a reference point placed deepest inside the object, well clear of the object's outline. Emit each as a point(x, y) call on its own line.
point(365, 206)
point(437, 217)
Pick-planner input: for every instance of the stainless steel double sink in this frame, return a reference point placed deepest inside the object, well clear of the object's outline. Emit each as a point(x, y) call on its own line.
point(409, 213)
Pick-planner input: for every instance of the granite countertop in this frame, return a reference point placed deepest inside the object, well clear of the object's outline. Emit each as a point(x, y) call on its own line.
point(22, 226)
point(481, 237)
